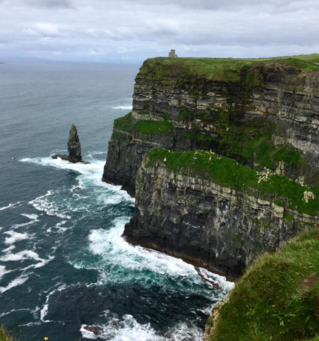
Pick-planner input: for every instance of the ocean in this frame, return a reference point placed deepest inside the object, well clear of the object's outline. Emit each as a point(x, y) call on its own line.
point(65, 271)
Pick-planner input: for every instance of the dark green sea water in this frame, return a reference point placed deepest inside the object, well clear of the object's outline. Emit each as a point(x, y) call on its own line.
point(63, 262)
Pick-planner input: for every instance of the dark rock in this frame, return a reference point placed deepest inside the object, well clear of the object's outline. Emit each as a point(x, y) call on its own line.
point(207, 224)
point(94, 329)
point(285, 99)
point(74, 148)
point(187, 218)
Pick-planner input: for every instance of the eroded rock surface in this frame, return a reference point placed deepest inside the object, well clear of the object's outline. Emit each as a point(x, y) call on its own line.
point(263, 115)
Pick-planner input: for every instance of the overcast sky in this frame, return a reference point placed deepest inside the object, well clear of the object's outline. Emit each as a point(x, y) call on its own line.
point(130, 31)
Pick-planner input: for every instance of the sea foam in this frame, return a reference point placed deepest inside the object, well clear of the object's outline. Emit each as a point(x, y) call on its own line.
point(128, 329)
point(123, 107)
point(11, 205)
point(16, 282)
point(15, 237)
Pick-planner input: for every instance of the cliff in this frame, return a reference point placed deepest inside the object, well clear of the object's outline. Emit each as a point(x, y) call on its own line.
point(258, 112)
point(261, 115)
point(214, 211)
point(276, 299)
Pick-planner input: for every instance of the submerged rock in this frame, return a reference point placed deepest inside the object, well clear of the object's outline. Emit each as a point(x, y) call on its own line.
point(74, 148)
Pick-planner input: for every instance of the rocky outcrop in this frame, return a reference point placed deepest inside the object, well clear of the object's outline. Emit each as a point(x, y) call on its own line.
point(235, 113)
point(74, 148)
point(215, 226)
point(264, 115)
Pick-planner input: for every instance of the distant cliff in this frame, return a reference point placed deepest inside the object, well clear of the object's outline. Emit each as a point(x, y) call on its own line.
point(259, 117)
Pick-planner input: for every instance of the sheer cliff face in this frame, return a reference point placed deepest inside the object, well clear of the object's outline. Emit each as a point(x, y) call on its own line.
point(264, 115)
point(203, 222)
point(200, 111)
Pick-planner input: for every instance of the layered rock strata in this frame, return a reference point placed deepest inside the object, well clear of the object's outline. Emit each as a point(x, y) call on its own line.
point(206, 223)
point(205, 111)
point(264, 115)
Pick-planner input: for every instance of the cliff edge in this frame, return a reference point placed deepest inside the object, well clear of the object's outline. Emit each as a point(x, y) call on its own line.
point(258, 118)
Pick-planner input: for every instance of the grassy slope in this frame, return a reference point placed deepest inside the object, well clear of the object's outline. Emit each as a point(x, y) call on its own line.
point(271, 301)
point(219, 69)
point(227, 172)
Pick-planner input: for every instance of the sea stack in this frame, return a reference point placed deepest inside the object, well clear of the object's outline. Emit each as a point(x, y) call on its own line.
point(74, 148)
point(74, 145)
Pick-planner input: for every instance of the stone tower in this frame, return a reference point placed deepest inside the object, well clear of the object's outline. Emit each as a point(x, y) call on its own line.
point(172, 54)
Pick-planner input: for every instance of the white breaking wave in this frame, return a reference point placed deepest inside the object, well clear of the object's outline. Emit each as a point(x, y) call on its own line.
point(113, 200)
point(23, 255)
point(44, 204)
point(11, 205)
point(15, 237)
point(130, 330)
point(16, 282)
point(13, 311)
point(15, 257)
point(116, 253)
point(8, 249)
point(123, 107)
point(221, 280)
point(58, 228)
point(3, 271)
point(91, 154)
point(31, 216)
point(91, 175)
point(45, 309)
point(111, 245)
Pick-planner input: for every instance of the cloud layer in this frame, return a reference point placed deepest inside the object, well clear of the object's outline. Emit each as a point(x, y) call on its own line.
point(130, 31)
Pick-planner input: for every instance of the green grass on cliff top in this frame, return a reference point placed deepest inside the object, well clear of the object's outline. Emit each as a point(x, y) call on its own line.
point(229, 173)
point(278, 297)
point(219, 69)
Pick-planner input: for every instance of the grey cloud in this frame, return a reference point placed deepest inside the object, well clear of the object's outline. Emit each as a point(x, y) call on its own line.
point(50, 4)
point(104, 29)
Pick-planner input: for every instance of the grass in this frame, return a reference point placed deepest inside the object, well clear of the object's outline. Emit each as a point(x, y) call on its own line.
point(229, 173)
point(5, 335)
point(243, 140)
point(153, 127)
point(127, 124)
point(218, 69)
point(124, 123)
point(271, 301)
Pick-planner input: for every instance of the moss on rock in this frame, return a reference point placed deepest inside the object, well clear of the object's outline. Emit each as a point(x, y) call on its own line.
point(229, 173)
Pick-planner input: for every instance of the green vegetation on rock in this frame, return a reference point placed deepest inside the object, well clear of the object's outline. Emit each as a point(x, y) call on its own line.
point(245, 141)
point(249, 140)
point(229, 173)
point(127, 124)
point(5, 335)
point(153, 127)
point(124, 123)
point(218, 69)
point(277, 299)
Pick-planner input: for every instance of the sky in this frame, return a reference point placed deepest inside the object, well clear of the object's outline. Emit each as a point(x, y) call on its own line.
point(129, 31)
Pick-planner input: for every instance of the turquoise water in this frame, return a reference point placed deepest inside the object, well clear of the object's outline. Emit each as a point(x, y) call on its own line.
point(63, 263)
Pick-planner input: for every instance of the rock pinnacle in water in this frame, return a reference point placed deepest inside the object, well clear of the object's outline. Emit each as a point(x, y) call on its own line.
point(74, 145)
point(74, 148)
